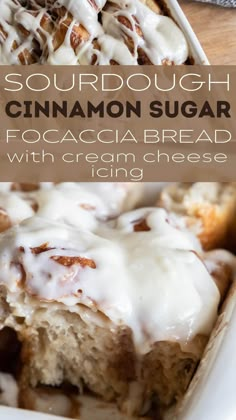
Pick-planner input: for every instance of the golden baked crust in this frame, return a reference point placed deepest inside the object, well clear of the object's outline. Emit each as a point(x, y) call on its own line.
point(103, 359)
point(206, 209)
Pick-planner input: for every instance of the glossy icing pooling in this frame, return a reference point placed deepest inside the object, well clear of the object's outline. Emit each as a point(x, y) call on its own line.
point(15, 207)
point(88, 32)
point(151, 280)
point(81, 205)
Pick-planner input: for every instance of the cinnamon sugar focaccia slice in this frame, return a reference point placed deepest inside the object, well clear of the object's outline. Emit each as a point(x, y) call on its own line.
point(119, 313)
point(206, 208)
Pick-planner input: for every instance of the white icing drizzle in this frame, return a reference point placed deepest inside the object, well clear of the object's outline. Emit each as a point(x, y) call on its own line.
point(77, 204)
point(84, 12)
point(15, 207)
point(159, 36)
point(64, 206)
point(74, 32)
point(5, 186)
point(85, 205)
point(151, 281)
point(165, 227)
point(104, 199)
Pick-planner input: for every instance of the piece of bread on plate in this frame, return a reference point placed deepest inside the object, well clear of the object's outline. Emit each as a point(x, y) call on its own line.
point(124, 313)
point(205, 208)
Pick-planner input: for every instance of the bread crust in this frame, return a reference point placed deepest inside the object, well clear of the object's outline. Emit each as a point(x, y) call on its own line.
point(209, 218)
point(104, 361)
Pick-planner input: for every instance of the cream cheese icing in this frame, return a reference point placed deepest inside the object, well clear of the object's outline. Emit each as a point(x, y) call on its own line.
point(5, 186)
point(84, 205)
point(158, 287)
point(90, 38)
point(105, 199)
point(15, 207)
point(81, 205)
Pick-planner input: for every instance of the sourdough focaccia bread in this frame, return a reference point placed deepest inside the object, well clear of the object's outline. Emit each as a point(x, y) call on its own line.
point(125, 312)
point(205, 208)
point(89, 32)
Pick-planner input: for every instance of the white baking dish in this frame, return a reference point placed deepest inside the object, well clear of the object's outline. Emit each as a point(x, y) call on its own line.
point(196, 51)
point(93, 412)
point(211, 395)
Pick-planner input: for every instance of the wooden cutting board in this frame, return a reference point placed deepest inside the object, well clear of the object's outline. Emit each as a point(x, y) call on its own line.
point(215, 28)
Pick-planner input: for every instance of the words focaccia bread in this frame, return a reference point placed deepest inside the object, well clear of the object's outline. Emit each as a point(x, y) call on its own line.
point(205, 208)
point(104, 311)
point(89, 32)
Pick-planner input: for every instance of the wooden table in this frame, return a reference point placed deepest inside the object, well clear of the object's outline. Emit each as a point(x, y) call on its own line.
point(215, 28)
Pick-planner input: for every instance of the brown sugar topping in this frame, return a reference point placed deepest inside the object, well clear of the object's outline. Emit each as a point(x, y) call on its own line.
point(41, 248)
point(62, 259)
point(141, 226)
point(69, 261)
